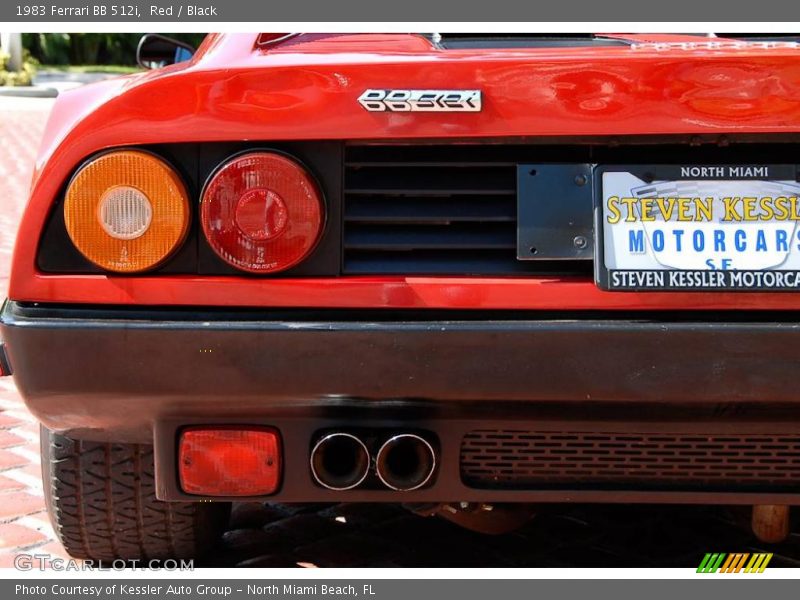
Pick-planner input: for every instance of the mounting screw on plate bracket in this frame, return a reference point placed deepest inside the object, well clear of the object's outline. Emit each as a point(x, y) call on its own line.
point(580, 242)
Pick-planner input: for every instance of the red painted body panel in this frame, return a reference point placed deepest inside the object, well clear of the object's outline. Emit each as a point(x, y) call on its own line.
point(306, 88)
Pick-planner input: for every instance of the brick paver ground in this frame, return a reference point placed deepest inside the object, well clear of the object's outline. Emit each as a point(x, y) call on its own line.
point(348, 534)
point(23, 520)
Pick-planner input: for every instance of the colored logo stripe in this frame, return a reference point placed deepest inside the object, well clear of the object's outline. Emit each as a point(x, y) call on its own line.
point(721, 562)
point(734, 563)
point(758, 563)
point(711, 562)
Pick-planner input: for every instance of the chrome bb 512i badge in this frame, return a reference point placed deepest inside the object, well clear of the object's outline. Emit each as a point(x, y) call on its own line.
point(421, 100)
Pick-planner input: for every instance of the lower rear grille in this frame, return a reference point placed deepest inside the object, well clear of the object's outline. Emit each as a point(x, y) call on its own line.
point(509, 459)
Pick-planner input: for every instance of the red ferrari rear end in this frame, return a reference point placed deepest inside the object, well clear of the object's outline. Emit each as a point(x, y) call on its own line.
point(464, 273)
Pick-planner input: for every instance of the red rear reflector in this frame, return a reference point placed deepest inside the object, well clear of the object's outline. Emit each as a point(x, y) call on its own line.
point(262, 212)
point(224, 461)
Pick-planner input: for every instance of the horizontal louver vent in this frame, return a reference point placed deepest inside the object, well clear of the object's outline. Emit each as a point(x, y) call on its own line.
point(435, 210)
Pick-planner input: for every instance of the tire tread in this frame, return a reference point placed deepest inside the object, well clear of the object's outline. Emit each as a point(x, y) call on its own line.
point(102, 503)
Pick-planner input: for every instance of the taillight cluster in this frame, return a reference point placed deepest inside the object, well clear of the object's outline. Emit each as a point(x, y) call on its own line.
point(128, 211)
point(261, 212)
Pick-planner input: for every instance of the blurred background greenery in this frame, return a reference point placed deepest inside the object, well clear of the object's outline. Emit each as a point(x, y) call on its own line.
point(90, 49)
point(15, 78)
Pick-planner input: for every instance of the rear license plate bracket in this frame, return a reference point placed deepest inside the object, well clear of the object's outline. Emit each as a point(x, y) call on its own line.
point(730, 227)
point(554, 212)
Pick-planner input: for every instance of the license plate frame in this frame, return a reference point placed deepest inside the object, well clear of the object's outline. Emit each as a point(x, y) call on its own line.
point(608, 274)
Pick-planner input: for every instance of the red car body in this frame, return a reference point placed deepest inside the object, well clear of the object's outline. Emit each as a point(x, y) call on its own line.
point(541, 360)
point(306, 88)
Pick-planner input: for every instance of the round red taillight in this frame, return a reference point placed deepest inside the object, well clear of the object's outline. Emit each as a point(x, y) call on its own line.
point(262, 212)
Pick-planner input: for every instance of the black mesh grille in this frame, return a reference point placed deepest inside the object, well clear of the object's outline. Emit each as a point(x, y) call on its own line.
point(507, 459)
point(437, 210)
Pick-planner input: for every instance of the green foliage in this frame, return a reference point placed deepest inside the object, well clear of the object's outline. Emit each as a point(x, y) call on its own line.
point(17, 78)
point(91, 48)
point(43, 45)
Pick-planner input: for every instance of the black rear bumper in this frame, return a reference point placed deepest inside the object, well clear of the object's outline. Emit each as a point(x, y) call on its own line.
point(94, 364)
point(136, 376)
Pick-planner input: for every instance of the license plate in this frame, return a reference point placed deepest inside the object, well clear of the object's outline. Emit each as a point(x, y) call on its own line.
point(713, 227)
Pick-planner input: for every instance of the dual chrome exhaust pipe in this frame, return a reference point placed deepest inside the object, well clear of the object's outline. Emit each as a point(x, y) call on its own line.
point(341, 461)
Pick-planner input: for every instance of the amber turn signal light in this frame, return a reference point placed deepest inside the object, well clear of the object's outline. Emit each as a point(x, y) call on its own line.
point(126, 211)
point(229, 461)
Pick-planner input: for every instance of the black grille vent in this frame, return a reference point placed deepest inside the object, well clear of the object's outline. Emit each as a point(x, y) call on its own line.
point(436, 210)
point(510, 459)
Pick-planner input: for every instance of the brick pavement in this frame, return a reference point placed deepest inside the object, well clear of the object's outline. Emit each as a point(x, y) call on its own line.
point(348, 534)
point(24, 524)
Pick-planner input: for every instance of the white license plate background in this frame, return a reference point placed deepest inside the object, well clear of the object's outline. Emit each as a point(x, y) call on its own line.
point(702, 248)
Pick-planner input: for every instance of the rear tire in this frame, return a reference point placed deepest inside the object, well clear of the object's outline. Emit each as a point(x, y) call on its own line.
point(101, 500)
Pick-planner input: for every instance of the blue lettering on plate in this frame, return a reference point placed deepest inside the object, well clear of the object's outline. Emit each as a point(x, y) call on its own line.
point(699, 240)
point(636, 241)
point(781, 241)
point(678, 235)
point(740, 240)
point(719, 240)
point(658, 240)
point(761, 241)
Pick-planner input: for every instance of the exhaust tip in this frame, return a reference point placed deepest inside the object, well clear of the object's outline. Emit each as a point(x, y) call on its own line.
point(405, 462)
point(339, 461)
